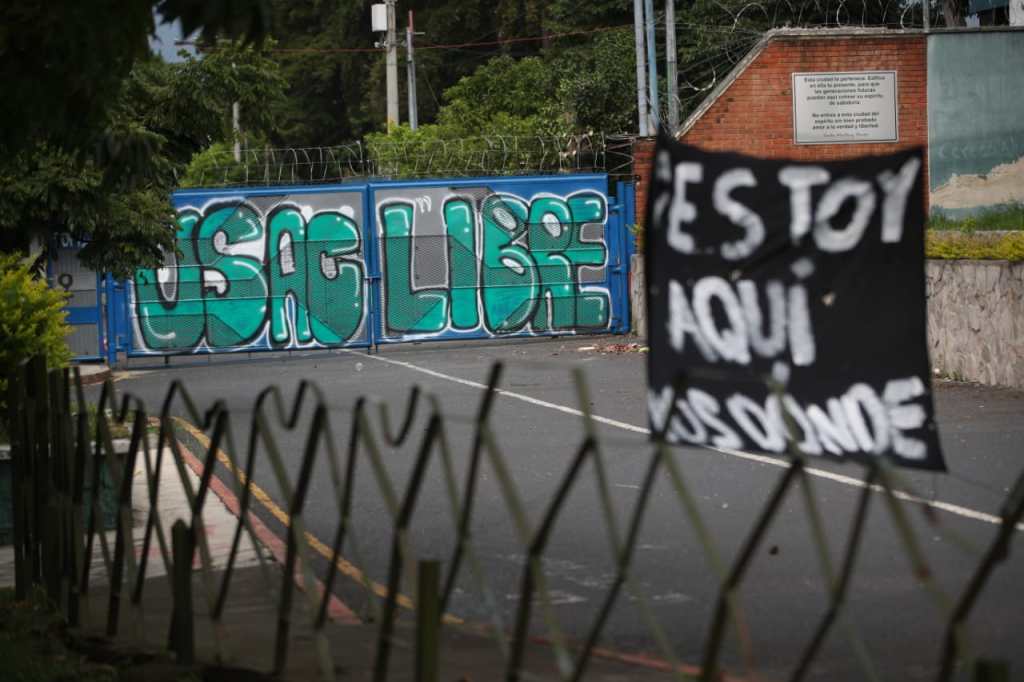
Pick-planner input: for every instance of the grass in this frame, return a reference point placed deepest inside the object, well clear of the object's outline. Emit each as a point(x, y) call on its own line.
point(36, 646)
point(953, 245)
point(1010, 217)
point(33, 645)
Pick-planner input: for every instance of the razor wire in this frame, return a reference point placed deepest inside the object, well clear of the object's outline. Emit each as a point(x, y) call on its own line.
point(390, 158)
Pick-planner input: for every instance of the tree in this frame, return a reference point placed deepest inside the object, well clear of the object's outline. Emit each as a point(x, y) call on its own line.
point(115, 197)
point(64, 60)
point(336, 77)
point(78, 153)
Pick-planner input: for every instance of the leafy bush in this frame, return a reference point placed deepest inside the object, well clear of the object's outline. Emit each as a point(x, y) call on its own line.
point(951, 245)
point(1007, 217)
point(214, 165)
point(637, 230)
point(31, 321)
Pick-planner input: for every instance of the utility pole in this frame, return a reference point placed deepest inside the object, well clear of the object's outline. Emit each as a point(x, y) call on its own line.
point(236, 127)
point(392, 67)
point(641, 67)
point(670, 66)
point(926, 19)
point(652, 66)
point(410, 69)
point(236, 124)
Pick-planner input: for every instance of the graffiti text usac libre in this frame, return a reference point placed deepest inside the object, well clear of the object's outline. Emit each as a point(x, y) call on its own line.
point(238, 275)
point(512, 266)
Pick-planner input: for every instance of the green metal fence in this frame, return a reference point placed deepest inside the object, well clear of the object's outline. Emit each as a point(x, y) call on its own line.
point(56, 459)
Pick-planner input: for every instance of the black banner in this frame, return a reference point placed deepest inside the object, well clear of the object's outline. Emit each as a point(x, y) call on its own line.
point(786, 305)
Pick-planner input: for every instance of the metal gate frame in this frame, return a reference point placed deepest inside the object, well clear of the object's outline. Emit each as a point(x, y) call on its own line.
point(621, 214)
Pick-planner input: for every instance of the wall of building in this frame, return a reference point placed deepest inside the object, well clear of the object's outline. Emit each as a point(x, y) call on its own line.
point(643, 158)
point(753, 112)
point(976, 120)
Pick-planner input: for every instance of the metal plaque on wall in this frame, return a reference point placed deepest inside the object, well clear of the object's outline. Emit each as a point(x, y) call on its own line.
point(845, 107)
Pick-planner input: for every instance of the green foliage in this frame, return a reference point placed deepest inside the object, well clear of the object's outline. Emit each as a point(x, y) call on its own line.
point(570, 91)
point(31, 321)
point(637, 230)
point(115, 199)
point(93, 131)
point(214, 165)
point(336, 96)
point(597, 84)
point(33, 644)
point(64, 61)
point(1009, 217)
point(47, 191)
point(504, 95)
point(200, 92)
point(951, 245)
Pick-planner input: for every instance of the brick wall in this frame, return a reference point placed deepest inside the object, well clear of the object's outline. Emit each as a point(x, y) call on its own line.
point(754, 115)
point(643, 157)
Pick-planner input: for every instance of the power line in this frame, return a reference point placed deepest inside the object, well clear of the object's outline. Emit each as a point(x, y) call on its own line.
point(425, 46)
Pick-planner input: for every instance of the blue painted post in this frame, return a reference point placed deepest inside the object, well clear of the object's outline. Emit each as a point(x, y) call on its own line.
point(372, 259)
point(110, 332)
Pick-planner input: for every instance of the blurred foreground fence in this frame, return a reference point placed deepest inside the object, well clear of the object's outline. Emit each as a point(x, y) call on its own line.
point(60, 463)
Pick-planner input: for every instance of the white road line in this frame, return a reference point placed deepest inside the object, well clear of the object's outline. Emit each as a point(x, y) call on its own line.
point(965, 512)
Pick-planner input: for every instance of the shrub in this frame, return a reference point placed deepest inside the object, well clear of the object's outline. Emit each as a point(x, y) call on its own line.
point(215, 166)
point(31, 321)
point(951, 245)
point(1005, 217)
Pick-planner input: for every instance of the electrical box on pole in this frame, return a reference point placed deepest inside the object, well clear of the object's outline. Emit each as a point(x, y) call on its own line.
point(382, 20)
point(379, 17)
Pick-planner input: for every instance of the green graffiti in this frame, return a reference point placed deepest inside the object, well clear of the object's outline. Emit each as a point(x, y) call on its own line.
point(307, 284)
point(234, 288)
point(510, 281)
point(551, 232)
point(242, 279)
point(593, 309)
point(335, 277)
point(309, 264)
point(556, 244)
point(408, 310)
point(172, 315)
point(463, 278)
point(286, 266)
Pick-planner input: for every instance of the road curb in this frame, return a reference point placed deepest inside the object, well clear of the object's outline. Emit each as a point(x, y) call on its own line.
point(337, 610)
point(93, 374)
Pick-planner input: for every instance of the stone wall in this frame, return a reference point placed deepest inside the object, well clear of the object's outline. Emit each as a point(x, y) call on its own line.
point(976, 320)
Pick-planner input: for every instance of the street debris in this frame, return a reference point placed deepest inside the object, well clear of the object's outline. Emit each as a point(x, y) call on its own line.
point(616, 348)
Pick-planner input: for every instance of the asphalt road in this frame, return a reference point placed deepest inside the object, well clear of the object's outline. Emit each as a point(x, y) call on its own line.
point(897, 619)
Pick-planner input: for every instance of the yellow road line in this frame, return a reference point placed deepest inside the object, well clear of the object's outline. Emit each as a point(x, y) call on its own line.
point(344, 567)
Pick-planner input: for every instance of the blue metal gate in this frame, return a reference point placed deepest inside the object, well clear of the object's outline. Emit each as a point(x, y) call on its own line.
point(85, 309)
point(368, 263)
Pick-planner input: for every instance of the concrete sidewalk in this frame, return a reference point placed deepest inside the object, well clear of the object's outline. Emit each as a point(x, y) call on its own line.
point(94, 373)
point(245, 636)
point(245, 639)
